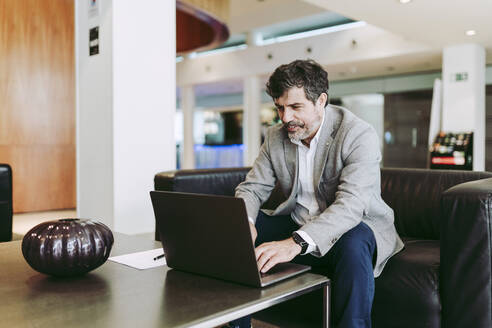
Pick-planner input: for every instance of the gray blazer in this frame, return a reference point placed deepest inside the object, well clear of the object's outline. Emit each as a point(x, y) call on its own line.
point(347, 180)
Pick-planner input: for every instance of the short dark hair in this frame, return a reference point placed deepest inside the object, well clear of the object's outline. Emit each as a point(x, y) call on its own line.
point(306, 74)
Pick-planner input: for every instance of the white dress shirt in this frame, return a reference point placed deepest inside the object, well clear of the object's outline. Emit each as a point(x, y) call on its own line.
point(306, 200)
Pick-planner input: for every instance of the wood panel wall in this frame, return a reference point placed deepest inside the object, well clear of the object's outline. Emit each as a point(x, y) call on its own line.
point(37, 102)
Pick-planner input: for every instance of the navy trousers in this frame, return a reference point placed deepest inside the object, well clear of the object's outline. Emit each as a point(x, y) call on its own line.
point(349, 265)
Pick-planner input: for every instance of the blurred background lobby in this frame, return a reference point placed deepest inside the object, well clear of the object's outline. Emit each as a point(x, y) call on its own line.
point(97, 96)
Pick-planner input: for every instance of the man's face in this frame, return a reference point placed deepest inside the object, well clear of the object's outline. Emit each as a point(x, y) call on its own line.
point(300, 116)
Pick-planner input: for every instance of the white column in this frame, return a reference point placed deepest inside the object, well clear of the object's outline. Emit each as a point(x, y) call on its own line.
point(251, 119)
point(252, 104)
point(188, 107)
point(463, 76)
point(125, 105)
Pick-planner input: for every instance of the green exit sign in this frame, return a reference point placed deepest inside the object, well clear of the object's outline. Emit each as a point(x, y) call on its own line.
point(460, 77)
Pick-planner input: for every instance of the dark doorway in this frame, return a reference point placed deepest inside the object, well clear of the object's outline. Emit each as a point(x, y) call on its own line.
point(406, 128)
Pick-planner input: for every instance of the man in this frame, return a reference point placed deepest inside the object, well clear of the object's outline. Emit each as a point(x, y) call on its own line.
point(326, 162)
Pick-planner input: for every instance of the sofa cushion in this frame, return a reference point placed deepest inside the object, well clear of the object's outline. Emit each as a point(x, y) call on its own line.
point(407, 293)
point(408, 289)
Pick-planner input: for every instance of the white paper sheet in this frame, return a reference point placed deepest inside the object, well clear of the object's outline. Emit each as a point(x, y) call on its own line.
point(141, 260)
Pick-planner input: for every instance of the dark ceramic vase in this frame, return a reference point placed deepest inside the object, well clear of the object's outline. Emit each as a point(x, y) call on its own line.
point(67, 247)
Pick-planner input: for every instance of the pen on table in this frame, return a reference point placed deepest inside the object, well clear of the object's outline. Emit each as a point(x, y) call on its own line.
point(158, 257)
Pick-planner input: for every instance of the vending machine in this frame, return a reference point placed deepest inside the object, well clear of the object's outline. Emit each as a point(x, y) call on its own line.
point(452, 151)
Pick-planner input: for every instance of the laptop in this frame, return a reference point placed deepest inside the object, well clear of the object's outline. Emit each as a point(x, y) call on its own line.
point(209, 235)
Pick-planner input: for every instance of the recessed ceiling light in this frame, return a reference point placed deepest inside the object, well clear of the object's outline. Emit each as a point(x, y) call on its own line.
point(471, 32)
point(405, 1)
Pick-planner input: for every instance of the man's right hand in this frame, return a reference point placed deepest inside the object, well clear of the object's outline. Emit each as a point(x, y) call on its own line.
point(254, 233)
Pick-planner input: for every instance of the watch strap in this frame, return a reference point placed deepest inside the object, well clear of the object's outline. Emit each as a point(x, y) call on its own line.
point(301, 242)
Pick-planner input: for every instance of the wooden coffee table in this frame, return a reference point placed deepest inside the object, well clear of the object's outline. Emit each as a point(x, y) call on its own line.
point(115, 295)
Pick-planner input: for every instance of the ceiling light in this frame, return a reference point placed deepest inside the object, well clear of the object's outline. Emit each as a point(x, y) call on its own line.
point(471, 32)
point(405, 1)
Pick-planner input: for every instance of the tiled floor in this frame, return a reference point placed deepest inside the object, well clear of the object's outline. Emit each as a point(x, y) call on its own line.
point(23, 222)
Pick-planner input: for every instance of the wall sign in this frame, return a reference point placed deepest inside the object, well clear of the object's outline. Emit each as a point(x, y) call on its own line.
point(460, 77)
point(94, 41)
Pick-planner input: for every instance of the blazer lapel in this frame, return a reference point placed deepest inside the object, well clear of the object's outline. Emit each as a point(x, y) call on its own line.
point(324, 143)
point(290, 152)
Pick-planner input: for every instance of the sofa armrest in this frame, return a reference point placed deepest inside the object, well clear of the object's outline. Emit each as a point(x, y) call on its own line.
point(5, 202)
point(465, 273)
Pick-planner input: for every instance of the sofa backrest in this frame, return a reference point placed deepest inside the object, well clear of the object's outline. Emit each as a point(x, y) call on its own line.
point(203, 181)
point(415, 197)
point(413, 194)
point(5, 203)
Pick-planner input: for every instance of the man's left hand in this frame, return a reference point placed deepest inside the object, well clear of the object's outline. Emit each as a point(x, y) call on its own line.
point(271, 253)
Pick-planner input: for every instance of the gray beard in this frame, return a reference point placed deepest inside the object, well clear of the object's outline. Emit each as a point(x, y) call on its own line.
point(299, 135)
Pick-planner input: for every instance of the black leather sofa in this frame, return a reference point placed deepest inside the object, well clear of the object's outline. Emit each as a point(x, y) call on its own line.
point(442, 278)
point(5, 203)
